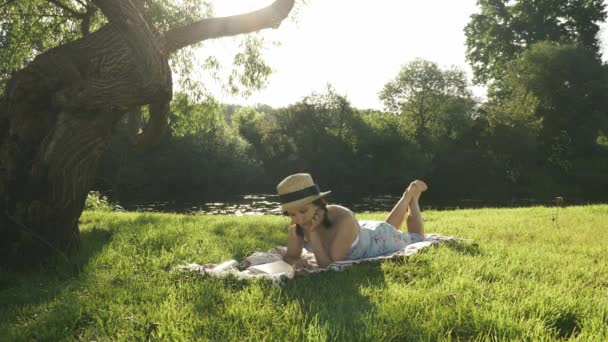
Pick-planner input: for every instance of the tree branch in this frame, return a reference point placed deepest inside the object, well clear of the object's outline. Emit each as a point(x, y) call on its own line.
point(268, 17)
point(85, 25)
point(85, 17)
point(155, 86)
point(39, 15)
point(66, 8)
point(82, 3)
point(156, 126)
point(127, 17)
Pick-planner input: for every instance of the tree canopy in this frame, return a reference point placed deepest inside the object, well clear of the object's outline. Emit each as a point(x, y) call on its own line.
point(28, 28)
point(505, 28)
point(561, 86)
point(434, 101)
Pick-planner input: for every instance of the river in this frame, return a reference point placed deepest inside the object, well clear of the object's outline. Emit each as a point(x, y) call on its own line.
point(267, 204)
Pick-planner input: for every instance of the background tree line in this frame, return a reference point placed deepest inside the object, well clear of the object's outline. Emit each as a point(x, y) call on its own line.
point(537, 137)
point(540, 133)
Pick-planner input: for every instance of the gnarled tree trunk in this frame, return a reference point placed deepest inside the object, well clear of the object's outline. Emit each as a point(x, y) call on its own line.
point(58, 114)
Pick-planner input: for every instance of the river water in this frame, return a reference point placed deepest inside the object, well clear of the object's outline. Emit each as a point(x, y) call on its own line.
point(267, 204)
point(248, 205)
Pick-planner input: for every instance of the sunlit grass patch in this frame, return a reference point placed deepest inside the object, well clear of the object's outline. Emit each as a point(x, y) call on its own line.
point(528, 274)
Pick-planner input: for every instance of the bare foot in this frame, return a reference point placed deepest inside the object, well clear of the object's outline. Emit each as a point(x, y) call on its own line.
point(412, 195)
point(415, 188)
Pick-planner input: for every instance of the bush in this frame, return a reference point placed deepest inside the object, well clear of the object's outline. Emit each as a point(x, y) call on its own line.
point(98, 202)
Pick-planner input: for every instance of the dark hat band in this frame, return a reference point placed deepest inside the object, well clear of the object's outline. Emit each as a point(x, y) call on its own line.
point(296, 195)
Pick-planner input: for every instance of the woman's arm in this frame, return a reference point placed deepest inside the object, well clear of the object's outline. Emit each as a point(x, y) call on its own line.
point(294, 246)
point(346, 227)
point(321, 254)
point(347, 230)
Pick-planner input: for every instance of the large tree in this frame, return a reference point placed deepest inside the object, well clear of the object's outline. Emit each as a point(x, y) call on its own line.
point(557, 91)
point(58, 112)
point(505, 28)
point(432, 101)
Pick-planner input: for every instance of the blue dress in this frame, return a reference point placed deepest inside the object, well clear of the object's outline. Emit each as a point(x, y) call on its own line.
point(377, 238)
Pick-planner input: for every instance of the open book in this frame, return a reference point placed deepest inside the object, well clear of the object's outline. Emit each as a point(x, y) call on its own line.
point(271, 268)
point(225, 266)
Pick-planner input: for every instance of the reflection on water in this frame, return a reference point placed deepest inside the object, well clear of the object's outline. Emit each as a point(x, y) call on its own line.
point(267, 204)
point(250, 205)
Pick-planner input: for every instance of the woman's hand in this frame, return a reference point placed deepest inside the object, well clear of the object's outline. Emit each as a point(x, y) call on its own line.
point(300, 263)
point(317, 218)
point(292, 228)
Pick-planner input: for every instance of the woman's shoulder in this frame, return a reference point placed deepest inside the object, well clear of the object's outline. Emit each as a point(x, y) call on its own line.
point(338, 212)
point(338, 209)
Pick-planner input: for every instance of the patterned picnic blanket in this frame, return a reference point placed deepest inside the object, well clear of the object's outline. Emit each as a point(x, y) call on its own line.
point(242, 270)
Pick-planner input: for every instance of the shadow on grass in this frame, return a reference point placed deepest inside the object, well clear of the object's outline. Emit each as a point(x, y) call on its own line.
point(565, 322)
point(92, 242)
point(337, 305)
point(337, 301)
point(46, 303)
point(25, 297)
point(43, 283)
point(463, 247)
point(331, 301)
point(144, 219)
point(219, 229)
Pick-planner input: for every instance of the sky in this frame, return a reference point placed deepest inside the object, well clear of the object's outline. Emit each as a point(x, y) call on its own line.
point(357, 46)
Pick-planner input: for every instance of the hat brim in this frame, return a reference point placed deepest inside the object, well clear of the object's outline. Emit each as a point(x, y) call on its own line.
point(301, 202)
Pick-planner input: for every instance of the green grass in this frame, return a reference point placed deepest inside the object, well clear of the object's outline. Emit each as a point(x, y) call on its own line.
point(532, 274)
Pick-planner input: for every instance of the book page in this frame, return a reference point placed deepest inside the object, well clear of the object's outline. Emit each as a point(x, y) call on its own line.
point(272, 268)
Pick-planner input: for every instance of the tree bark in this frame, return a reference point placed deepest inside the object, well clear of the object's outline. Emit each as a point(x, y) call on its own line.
point(58, 113)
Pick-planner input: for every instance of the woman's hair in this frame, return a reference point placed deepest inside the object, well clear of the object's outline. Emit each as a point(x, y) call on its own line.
point(322, 204)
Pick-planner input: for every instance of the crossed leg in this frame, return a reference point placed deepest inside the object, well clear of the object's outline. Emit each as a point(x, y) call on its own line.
point(408, 204)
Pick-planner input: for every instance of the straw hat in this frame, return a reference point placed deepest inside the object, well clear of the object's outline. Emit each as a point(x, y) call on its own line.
point(297, 190)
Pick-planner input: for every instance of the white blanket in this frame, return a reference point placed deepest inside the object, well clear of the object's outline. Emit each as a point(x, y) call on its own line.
point(242, 270)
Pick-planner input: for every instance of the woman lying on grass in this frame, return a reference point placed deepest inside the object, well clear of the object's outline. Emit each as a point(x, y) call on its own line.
point(332, 233)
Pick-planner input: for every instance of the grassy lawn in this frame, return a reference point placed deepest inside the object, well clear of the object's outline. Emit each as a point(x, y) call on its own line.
point(532, 274)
